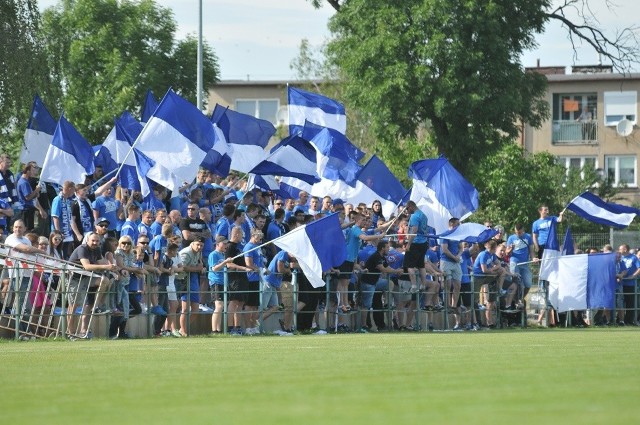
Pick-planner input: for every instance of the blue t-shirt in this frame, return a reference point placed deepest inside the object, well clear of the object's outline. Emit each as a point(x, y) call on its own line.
point(258, 260)
point(24, 189)
point(454, 249)
point(466, 265)
point(353, 243)
point(432, 256)
point(541, 228)
point(158, 243)
point(129, 228)
point(4, 204)
point(107, 207)
point(420, 221)
point(223, 227)
point(215, 278)
point(520, 252)
point(486, 258)
point(366, 252)
point(143, 229)
point(274, 278)
point(61, 208)
point(155, 229)
point(394, 259)
point(152, 203)
point(631, 264)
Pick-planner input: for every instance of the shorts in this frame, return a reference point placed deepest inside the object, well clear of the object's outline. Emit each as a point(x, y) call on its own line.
point(236, 290)
point(77, 290)
point(465, 295)
point(194, 289)
point(171, 292)
point(414, 258)
point(346, 269)
point(401, 292)
point(492, 282)
point(269, 296)
point(452, 271)
point(152, 280)
point(217, 292)
point(307, 294)
point(286, 295)
point(366, 295)
point(252, 294)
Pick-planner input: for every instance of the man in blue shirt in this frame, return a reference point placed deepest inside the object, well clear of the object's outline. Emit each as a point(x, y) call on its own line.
point(255, 261)
point(629, 282)
point(520, 249)
point(450, 264)
point(108, 207)
point(417, 245)
point(540, 228)
point(488, 271)
point(61, 216)
point(130, 228)
point(28, 197)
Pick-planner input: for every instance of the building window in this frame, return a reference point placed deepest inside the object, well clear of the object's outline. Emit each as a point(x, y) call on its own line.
point(578, 163)
point(265, 109)
point(621, 170)
point(619, 105)
point(574, 117)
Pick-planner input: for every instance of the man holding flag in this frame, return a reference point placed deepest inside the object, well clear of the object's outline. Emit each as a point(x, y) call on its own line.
point(541, 226)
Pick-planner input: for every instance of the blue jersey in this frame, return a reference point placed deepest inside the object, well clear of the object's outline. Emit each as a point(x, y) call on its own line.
point(520, 252)
point(129, 228)
point(61, 208)
point(486, 258)
point(274, 278)
point(353, 243)
point(215, 278)
point(466, 265)
point(541, 228)
point(107, 207)
point(420, 222)
point(454, 249)
point(631, 265)
point(258, 260)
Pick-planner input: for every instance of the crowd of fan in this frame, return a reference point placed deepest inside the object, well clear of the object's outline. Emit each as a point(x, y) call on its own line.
point(172, 251)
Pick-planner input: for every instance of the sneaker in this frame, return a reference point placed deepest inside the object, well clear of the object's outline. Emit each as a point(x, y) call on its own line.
point(413, 289)
point(438, 307)
point(176, 333)
point(427, 308)
point(481, 307)
point(282, 333)
point(165, 333)
point(457, 328)
point(362, 330)
point(251, 331)
point(320, 332)
point(462, 309)
point(157, 310)
point(430, 327)
point(205, 308)
point(101, 310)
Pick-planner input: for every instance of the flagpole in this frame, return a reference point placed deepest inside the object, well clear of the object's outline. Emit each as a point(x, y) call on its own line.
point(102, 178)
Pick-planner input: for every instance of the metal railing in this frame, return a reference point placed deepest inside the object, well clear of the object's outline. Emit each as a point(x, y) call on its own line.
point(576, 132)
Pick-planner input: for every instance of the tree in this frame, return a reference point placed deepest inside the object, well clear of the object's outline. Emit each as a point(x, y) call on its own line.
point(22, 68)
point(452, 65)
point(105, 54)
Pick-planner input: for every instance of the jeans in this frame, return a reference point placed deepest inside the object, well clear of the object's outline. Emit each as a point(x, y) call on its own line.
point(524, 271)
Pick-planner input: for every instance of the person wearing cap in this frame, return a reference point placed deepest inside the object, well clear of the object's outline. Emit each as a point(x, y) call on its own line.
point(191, 258)
point(101, 229)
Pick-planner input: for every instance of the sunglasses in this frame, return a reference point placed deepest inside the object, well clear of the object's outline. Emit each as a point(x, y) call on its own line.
point(57, 240)
point(191, 209)
point(125, 243)
point(143, 243)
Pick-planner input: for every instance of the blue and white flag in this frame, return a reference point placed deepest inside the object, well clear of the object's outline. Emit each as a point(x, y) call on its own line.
point(218, 159)
point(149, 107)
point(247, 137)
point(310, 130)
point(333, 156)
point(293, 187)
point(376, 182)
point(266, 183)
point(39, 133)
point(143, 165)
point(441, 192)
point(592, 208)
point(70, 156)
point(177, 138)
point(292, 157)
point(120, 148)
point(552, 251)
point(317, 246)
point(583, 281)
point(568, 245)
point(469, 232)
point(102, 158)
point(315, 108)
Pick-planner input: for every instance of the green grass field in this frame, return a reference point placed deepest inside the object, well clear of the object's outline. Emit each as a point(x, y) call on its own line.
point(589, 376)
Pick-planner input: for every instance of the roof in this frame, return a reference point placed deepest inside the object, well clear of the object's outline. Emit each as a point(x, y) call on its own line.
point(592, 77)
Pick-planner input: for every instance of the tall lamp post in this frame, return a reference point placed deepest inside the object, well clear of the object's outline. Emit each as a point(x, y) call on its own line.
point(199, 83)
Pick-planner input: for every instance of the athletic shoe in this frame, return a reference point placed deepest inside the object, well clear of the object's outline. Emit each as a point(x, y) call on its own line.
point(320, 332)
point(430, 327)
point(457, 328)
point(101, 310)
point(413, 289)
point(205, 308)
point(362, 331)
point(438, 307)
point(176, 333)
point(481, 307)
point(251, 331)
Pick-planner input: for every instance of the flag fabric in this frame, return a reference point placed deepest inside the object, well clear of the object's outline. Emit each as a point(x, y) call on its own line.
point(551, 252)
point(102, 158)
point(310, 130)
point(333, 156)
point(150, 105)
point(592, 208)
point(441, 192)
point(318, 109)
point(376, 182)
point(469, 232)
point(247, 137)
point(292, 157)
point(292, 187)
point(218, 159)
point(177, 138)
point(143, 165)
point(39, 133)
point(69, 157)
point(568, 245)
point(317, 246)
point(583, 281)
point(266, 183)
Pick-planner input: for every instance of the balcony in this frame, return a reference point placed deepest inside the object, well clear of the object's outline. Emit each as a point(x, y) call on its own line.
point(574, 133)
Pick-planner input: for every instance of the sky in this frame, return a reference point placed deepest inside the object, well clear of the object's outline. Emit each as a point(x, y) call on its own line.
point(258, 39)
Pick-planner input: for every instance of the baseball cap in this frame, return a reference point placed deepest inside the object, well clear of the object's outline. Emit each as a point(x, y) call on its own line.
point(221, 238)
point(102, 220)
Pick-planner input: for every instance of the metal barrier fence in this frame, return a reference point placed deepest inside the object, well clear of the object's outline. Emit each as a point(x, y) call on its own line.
point(45, 297)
